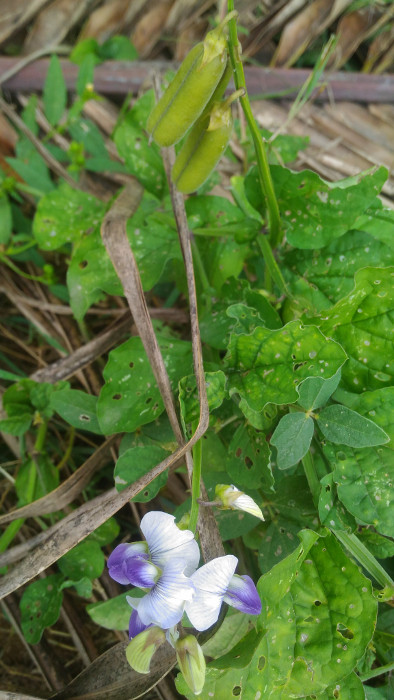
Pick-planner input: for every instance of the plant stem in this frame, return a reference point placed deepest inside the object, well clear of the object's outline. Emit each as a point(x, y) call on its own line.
point(197, 461)
point(261, 155)
point(377, 672)
point(271, 264)
point(364, 557)
point(312, 478)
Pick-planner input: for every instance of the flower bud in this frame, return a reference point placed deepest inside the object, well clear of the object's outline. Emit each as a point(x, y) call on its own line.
point(142, 647)
point(191, 662)
point(233, 498)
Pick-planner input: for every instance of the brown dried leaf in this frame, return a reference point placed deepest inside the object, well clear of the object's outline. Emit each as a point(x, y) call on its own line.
point(188, 37)
point(304, 28)
point(8, 137)
point(54, 23)
point(179, 13)
point(150, 27)
point(110, 676)
point(111, 18)
point(351, 31)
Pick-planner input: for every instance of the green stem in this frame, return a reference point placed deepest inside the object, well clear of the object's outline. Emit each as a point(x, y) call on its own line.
point(271, 265)
point(312, 478)
point(196, 490)
point(261, 155)
point(41, 435)
point(377, 672)
point(364, 557)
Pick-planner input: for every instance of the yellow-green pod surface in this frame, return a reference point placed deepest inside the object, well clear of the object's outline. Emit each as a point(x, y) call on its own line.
point(189, 91)
point(202, 149)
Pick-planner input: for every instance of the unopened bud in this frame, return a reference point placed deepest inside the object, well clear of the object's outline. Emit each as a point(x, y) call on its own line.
point(233, 498)
point(141, 649)
point(191, 662)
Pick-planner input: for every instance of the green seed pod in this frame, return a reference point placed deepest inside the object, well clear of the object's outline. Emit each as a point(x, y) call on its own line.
point(204, 146)
point(190, 90)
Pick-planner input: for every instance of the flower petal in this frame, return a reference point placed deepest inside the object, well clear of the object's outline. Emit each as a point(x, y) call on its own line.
point(248, 505)
point(166, 541)
point(118, 559)
point(242, 594)
point(136, 625)
point(141, 572)
point(211, 582)
point(164, 604)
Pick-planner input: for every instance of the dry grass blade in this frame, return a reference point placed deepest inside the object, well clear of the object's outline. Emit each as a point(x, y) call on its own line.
point(14, 14)
point(54, 23)
point(111, 18)
point(8, 695)
point(68, 490)
point(110, 676)
point(351, 31)
point(150, 27)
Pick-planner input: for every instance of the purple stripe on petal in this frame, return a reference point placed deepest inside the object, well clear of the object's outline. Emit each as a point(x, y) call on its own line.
point(242, 594)
point(141, 572)
point(136, 625)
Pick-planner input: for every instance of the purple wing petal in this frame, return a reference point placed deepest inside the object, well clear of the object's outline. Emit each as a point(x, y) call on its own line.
point(136, 625)
point(141, 572)
point(166, 541)
point(242, 594)
point(117, 561)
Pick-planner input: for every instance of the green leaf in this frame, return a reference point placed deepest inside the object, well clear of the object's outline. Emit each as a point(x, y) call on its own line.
point(364, 480)
point(77, 408)
point(277, 541)
point(106, 533)
point(188, 396)
point(55, 92)
point(209, 215)
point(113, 614)
point(248, 464)
point(65, 215)
point(17, 425)
point(141, 157)
point(36, 477)
point(378, 406)
point(86, 132)
point(86, 559)
point(83, 49)
point(349, 688)
point(241, 654)
point(379, 546)
point(315, 211)
point(332, 513)
point(319, 278)
point(5, 219)
point(292, 438)
point(235, 625)
point(321, 608)
point(315, 391)
point(40, 607)
point(267, 365)
point(130, 396)
point(362, 323)
point(118, 48)
point(32, 168)
point(343, 426)
point(135, 463)
point(86, 72)
point(83, 586)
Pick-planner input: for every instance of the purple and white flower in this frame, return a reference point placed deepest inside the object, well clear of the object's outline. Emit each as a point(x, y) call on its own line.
point(216, 583)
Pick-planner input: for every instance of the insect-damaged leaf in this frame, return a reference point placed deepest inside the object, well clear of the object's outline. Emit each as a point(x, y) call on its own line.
point(267, 365)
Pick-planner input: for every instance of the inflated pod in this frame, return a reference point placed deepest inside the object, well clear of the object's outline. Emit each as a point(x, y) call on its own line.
point(191, 89)
point(203, 147)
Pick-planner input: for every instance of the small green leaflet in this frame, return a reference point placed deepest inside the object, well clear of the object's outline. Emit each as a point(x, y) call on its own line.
point(248, 463)
point(292, 438)
point(84, 560)
point(40, 607)
point(5, 219)
point(64, 215)
point(362, 323)
point(314, 392)
point(343, 426)
point(378, 406)
point(130, 396)
point(267, 365)
point(135, 463)
point(55, 92)
point(77, 408)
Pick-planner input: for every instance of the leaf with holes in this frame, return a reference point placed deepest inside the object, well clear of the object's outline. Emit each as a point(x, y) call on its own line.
point(362, 323)
point(136, 462)
point(215, 383)
point(343, 426)
point(130, 396)
point(248, 464)
point(77, 408)
point(216, 216)
point(277, 541)
point(332, 513)
point(241, 654)
point(320, 278)
point(142, 158)
point(64, 215)
point(315, 211)
point(322, 609)
point(292, 438)
point(40, 607)
point(364, 481)
point(267, 365)
point(315, 391)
